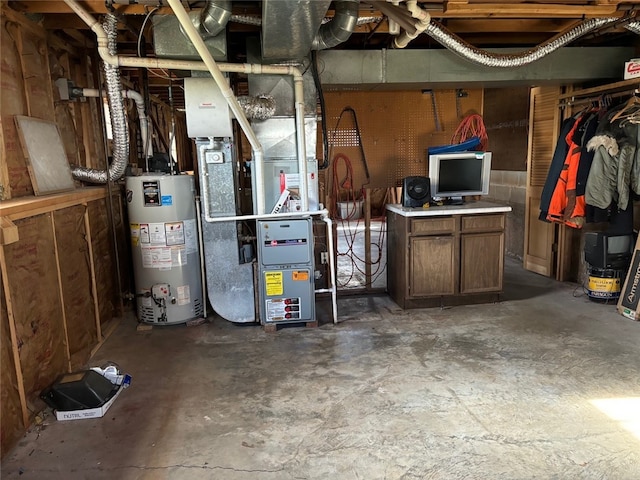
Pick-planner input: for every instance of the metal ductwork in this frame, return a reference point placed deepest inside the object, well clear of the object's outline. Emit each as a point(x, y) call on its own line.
point(213, 18)
point(340, 28)
point(120, 149)
point(489, 59)
point(289, 27)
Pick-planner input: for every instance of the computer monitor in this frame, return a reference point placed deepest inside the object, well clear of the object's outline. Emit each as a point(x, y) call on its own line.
point(459, 174)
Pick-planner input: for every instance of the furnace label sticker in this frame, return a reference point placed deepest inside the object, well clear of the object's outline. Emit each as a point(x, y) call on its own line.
point(184, 295)
point(174, 233)
point(135, 234)
point(273, 283)
point(300, 276)
point(191, 235)
point(156, 257)
point(157, 234)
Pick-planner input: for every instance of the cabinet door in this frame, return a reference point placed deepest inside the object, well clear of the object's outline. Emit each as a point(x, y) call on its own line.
point(482, 262)
point(432, 263)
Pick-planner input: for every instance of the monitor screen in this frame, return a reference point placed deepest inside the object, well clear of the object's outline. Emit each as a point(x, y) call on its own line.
point(460, 174)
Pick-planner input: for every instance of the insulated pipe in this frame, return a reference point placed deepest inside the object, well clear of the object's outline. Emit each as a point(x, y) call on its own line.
point(142, 117)
point(633, 27)
point(507, 60)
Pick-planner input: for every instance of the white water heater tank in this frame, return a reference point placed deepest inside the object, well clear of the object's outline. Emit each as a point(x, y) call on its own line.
point(165, 249)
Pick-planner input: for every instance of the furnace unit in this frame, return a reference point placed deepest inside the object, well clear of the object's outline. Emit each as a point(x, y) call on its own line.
point(285, 256)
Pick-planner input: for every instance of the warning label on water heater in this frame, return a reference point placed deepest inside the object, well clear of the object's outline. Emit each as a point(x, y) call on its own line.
point(163, 258)
point(174, 233)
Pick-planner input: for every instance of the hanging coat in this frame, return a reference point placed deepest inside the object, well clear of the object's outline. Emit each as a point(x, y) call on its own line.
point(565, 206)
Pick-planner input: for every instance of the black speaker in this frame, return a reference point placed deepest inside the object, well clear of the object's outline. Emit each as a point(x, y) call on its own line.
point(416, 191)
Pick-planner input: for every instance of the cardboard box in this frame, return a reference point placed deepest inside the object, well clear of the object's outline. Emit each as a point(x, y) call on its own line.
point(632, 69)
point(88, 412)
point(628, 303)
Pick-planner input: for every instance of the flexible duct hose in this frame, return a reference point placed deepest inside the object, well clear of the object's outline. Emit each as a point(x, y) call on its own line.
point(120, 149)
point(633, 27)
point(506, 60)
point(260, 107)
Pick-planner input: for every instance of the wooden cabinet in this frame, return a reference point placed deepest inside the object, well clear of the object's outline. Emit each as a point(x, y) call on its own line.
point(445, 256)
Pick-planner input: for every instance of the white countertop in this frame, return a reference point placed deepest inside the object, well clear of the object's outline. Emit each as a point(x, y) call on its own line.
point(480, 206)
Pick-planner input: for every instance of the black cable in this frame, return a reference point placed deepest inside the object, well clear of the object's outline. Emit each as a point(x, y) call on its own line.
point(323, 111)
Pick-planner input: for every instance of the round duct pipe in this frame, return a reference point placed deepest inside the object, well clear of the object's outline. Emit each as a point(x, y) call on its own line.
point(340, 28)
point(213, 18)
point(120, 149)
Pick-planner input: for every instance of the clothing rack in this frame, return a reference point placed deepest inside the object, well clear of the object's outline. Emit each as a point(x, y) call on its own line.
point(595, 94)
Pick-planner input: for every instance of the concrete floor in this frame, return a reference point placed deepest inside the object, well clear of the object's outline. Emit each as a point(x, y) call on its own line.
point(542, 385)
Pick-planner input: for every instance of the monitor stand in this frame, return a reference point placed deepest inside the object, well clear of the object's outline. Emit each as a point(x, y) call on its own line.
point(454, 201)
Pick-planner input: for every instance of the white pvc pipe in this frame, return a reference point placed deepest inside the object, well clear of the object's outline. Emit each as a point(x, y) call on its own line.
point(256, 69)
point(217, 75)
point(423, 19)
point(332, 266)
point(142, 117)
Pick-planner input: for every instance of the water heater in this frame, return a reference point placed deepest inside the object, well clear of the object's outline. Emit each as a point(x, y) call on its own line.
point(165, 249)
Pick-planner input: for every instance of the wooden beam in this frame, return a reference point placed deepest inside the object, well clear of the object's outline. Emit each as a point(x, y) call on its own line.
point(94, 7)
point(14, 340)
point(528, 10)
point(495, 25)
point(24, 207)
point(630, 84)
point(8, 231)
point(61, 293)
point(94, 284)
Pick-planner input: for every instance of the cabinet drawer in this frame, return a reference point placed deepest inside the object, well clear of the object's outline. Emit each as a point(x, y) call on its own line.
point(433, 225)
point(482, 223)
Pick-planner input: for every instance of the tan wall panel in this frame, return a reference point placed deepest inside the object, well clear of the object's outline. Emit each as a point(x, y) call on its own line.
point(12, 101)
point(10, 411)
point(33, 283)
point(75, 271)
point(104, 264)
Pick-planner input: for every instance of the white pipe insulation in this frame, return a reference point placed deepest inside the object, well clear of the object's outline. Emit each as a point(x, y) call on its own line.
point(142, 116)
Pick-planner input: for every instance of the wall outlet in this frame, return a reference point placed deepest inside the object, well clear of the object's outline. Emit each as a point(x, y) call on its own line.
point(324, 258)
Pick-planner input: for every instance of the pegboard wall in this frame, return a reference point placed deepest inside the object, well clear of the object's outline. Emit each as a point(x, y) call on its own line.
point(396, 129)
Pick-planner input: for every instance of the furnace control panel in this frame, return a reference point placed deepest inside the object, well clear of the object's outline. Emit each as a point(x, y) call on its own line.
point(285, 257)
